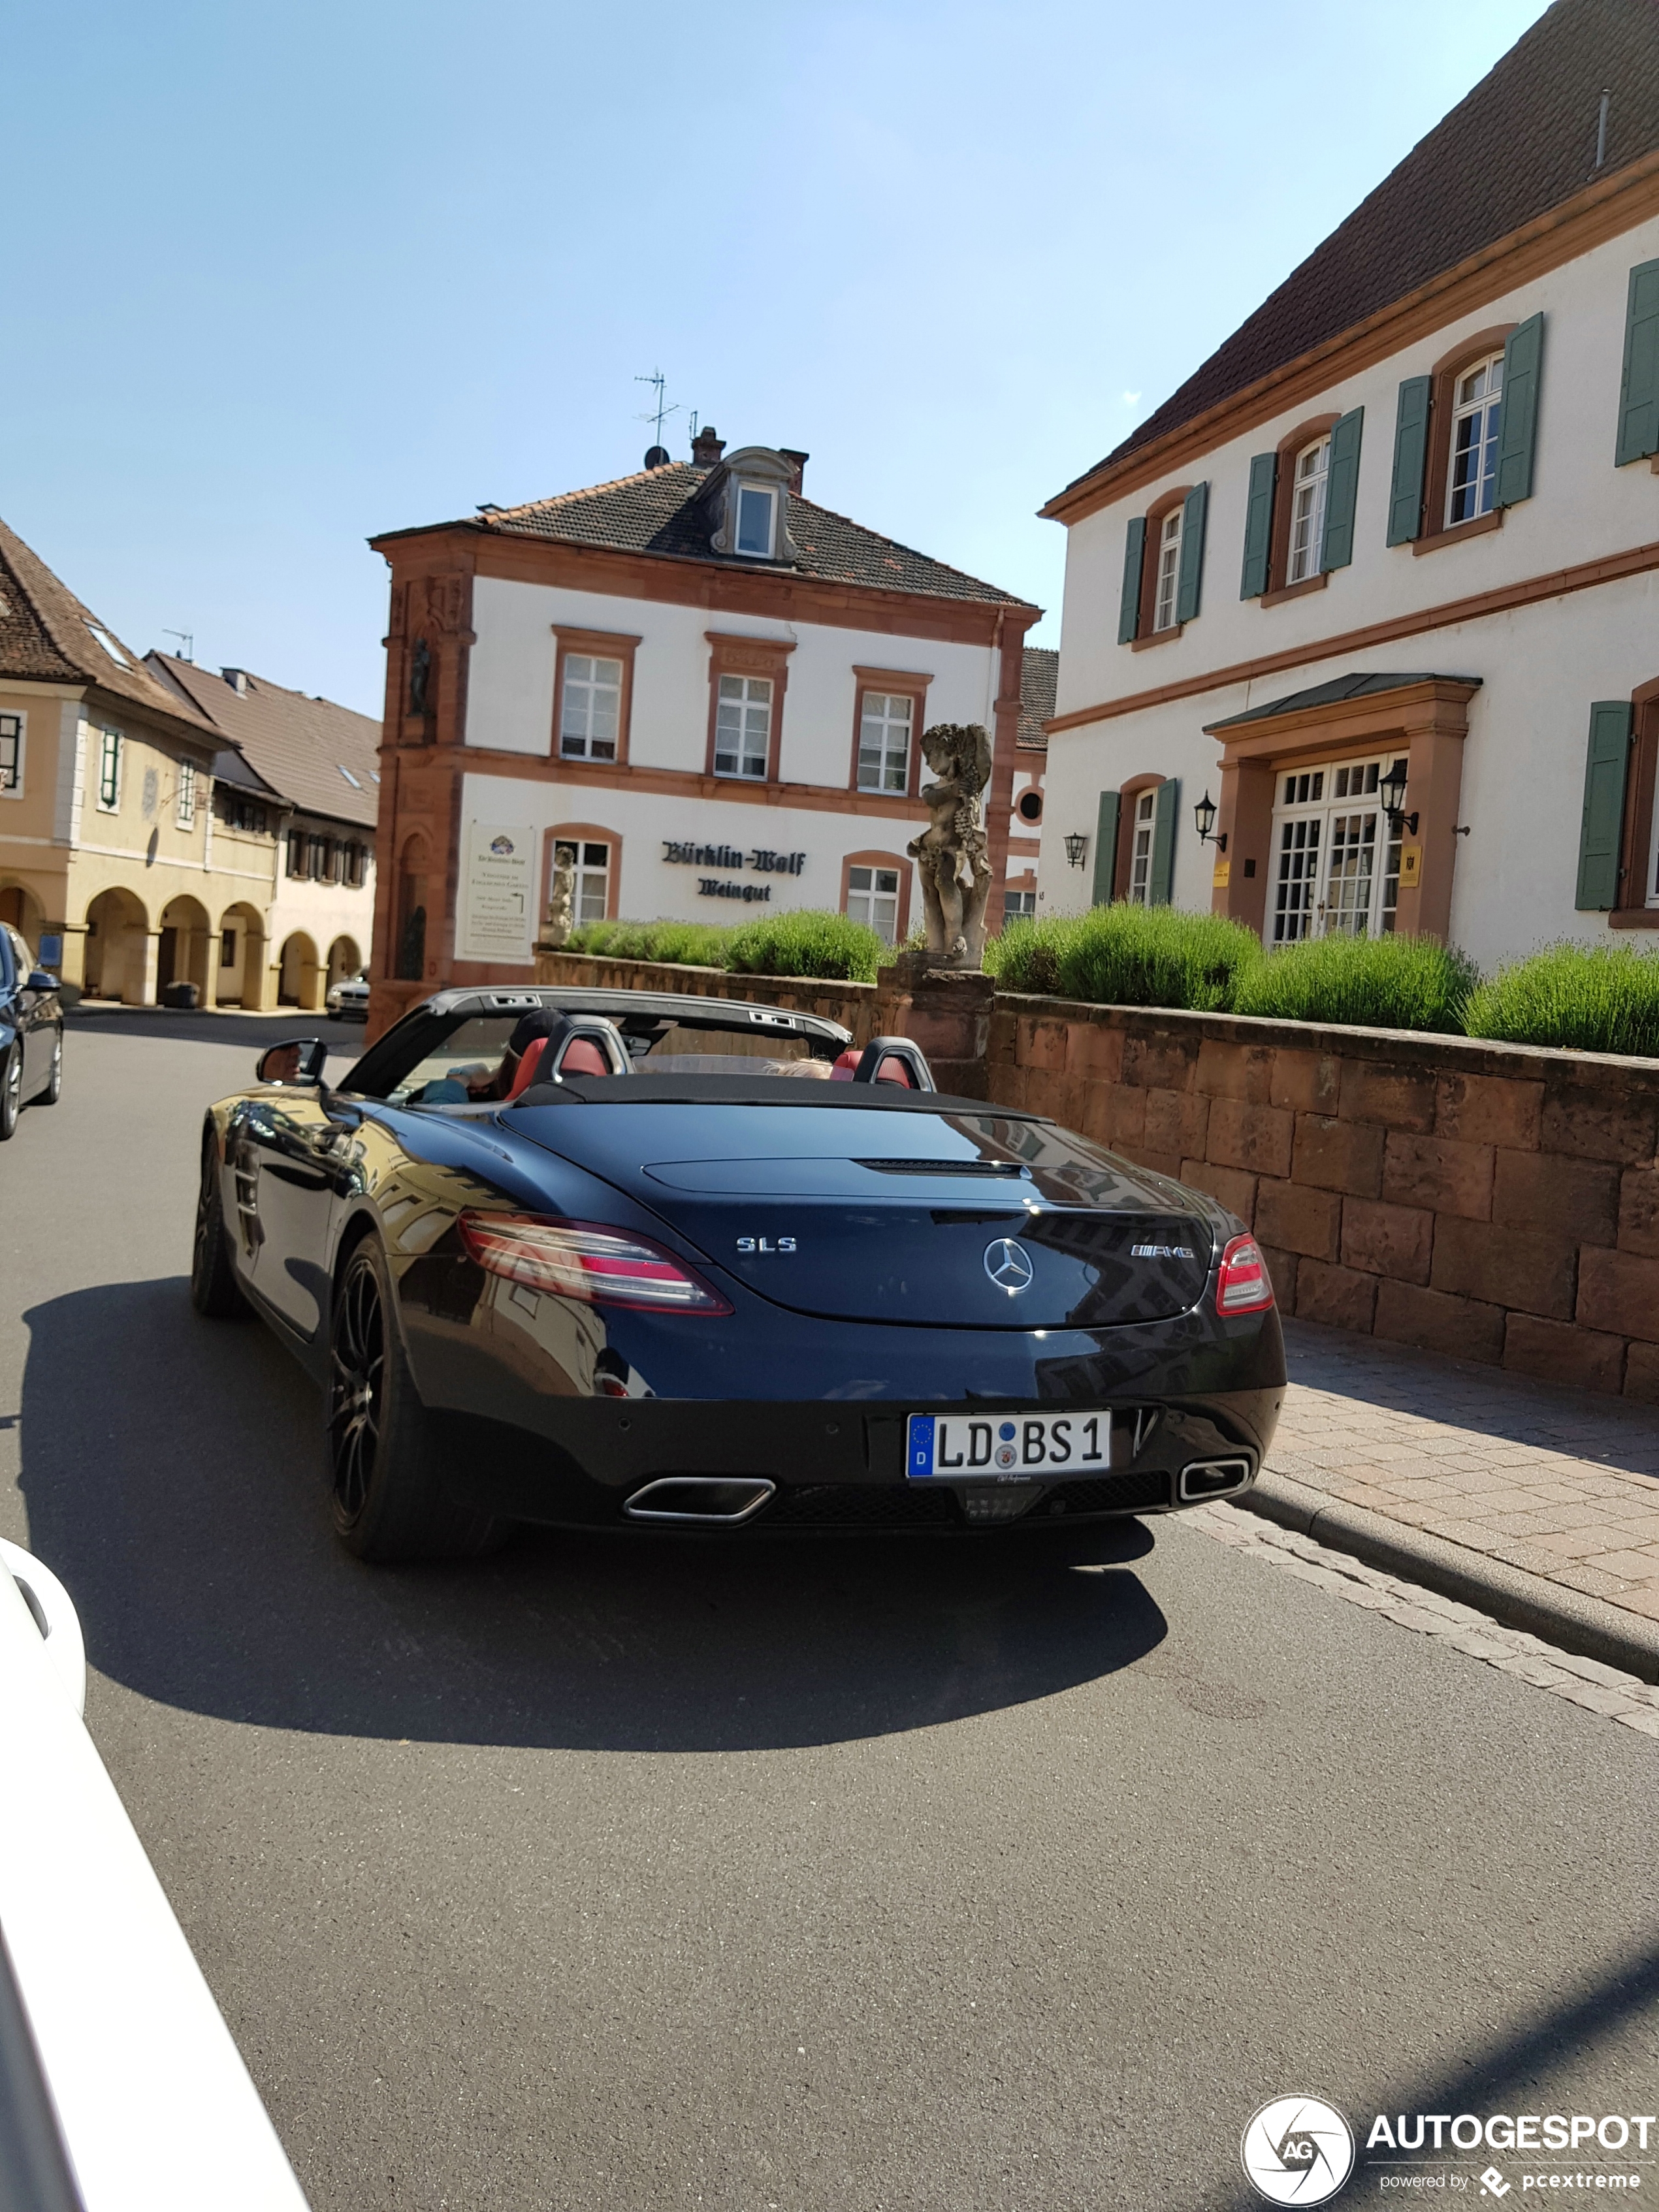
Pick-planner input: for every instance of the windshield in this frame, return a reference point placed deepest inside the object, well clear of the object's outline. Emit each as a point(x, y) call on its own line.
point(467, 1054)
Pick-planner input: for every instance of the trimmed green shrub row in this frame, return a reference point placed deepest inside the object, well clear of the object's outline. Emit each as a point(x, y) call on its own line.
point(1598, 998)
point(1603, 998)
point(803, 941)
point(1363, 982)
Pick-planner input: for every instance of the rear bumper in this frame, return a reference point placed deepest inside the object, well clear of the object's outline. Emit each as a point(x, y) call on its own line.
point(828, 1468)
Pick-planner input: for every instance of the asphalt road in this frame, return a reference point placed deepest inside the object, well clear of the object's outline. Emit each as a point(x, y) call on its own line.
point(617, 1875)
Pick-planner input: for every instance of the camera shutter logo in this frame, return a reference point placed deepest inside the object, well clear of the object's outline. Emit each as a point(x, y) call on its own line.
point(1009, 1268)
point(1298, 2150)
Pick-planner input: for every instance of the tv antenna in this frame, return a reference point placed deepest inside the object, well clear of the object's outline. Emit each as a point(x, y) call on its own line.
point(186, 643)
point(660, 413)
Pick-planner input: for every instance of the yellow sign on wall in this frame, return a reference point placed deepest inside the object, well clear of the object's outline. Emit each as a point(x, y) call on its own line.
point(1411, 868)
point(1222, 877)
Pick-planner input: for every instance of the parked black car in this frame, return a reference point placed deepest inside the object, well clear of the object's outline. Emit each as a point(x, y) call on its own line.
point(31, 1032)
point(613, 1259)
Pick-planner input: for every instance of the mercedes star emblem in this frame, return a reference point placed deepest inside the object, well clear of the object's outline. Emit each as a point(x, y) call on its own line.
point(1007, 1264)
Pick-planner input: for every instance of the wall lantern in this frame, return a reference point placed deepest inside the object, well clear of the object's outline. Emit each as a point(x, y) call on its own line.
point(1204, 816)
point(1391, 790)
point(1076, 846)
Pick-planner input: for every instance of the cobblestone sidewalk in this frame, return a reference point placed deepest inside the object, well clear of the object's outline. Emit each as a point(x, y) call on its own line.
point(1558, 1482)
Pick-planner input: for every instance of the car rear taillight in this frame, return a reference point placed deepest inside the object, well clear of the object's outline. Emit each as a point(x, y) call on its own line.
point(1243, 1285)
point(584, 1260)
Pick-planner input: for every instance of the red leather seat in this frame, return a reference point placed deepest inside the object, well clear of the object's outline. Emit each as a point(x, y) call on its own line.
point(583, 1057)
point(529, 1060)
point(841, 1070)
point(892, 1069)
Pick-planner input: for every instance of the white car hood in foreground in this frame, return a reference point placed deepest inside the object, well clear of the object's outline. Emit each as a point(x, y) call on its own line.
point(154, 2105)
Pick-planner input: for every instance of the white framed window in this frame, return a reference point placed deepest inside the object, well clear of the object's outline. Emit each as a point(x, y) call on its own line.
point(591, 892)
point(110, 752)
point(742, 726)
point(756, 512)
point(1336, 865)
point(298, 846)
point(1142, 831)
point(1653, 859)
point(1167, 582)
point(590, 713)
point(872, 899)
point(186, 813)
point(11, 756)
point(1016, 903)
point(1477, 418)
point(884, 724)
point(1309, 481)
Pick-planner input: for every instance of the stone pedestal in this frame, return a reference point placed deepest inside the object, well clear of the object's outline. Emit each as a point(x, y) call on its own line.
point(948, 1013)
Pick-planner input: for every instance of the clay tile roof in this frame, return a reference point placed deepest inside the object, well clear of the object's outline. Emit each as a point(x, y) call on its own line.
point(1521, 144)
point(48, 636)
point(323, 757)
point(1039, 676)
point(652, 512)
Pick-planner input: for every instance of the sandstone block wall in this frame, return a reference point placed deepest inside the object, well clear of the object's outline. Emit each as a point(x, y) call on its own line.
point(1496, 1203)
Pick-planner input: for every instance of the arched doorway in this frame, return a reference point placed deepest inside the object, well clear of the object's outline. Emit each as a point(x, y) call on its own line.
point(19, 907)
point(117, 947)
point(241, 979)
point(182, 954)
point(299, 973)
point(344, 960)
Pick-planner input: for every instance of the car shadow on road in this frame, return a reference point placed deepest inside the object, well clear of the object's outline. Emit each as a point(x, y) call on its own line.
point(173, 1476)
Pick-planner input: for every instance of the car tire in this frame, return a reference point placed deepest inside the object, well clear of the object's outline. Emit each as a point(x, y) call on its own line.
point(383, 1447)
point(11, 1091)
point(214, 1288)
point(54, 1090)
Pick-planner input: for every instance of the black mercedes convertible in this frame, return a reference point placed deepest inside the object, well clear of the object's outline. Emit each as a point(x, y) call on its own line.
point(621, 1259)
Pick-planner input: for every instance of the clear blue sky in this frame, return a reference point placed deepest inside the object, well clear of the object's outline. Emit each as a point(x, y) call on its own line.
point(278, 278)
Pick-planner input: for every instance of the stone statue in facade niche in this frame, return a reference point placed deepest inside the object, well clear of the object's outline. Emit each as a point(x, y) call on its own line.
point(420, 673)
point(953, 855)
point(561, 898)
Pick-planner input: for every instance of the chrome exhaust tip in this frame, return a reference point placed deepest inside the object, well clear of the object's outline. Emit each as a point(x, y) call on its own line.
point(1213, 1478)
point(712, 1500)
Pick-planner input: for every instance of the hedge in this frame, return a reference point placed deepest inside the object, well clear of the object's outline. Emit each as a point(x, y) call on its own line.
point(1391, 982)
point(1128, 955)
point(1603, 998)
point(801, 941)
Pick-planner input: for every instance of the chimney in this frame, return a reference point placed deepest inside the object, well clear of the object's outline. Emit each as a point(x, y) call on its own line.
point(237, 679)
point(796, 463)
point(707, 447)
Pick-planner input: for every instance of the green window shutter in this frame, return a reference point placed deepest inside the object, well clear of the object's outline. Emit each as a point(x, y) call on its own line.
point(1161, 881)
point(1602, 828)
point(1191, 578)
point(1134, 554)
point(1638, 386)
point(1517, 431)
point(1342, 491)
point(1259, 526)
point(1411, 460)
point(1106, 847)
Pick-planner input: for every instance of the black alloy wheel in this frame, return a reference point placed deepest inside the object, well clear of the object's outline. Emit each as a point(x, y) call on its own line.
point(214, 1288)
point(356, 1381)
point(385, 1451)
point(54, 1090)
point(11, 1091)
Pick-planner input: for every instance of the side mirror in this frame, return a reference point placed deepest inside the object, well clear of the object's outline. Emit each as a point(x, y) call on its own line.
point(40, 981)
point(301, 1061)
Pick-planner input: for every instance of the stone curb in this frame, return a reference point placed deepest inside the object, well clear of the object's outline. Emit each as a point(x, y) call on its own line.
point(1588, 1626)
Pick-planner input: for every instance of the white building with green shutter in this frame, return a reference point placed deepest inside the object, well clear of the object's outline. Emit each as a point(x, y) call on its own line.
point(1381, 579)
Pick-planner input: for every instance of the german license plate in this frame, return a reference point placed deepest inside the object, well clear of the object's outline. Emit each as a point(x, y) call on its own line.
point(1007, 1447)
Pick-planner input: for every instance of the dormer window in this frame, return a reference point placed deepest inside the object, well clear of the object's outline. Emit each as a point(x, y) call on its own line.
point(756, 509)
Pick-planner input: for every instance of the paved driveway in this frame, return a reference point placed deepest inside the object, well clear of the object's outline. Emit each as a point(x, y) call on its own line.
point(628, 1875)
